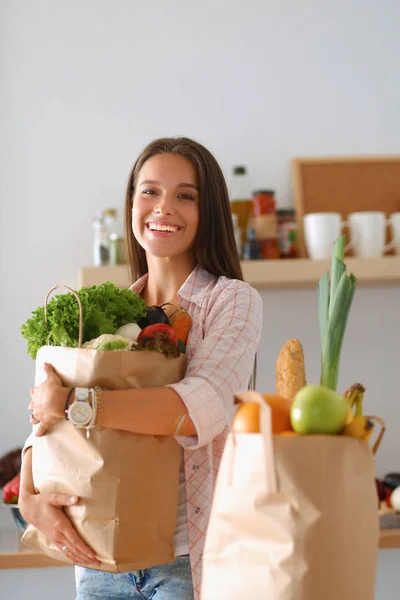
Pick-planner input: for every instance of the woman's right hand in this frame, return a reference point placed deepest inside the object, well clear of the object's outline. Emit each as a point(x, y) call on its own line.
point(45, 512)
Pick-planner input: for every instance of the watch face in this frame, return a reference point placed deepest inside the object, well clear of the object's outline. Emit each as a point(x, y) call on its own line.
point(80, 413)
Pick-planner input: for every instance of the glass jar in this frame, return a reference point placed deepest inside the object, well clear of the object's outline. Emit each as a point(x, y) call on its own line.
point(287, 233)
point(263, 203)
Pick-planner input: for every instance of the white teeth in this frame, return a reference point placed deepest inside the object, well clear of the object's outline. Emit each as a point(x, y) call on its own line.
point(159, 227)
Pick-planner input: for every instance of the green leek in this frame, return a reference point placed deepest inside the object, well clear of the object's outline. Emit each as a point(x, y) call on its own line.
point(334, 304)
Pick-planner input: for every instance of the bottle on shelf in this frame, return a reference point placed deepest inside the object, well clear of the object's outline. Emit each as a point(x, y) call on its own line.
point(101, 254)
point(117, 249)
point(240, 197)
point(110, 220)
point(238, 234)
point(265, 223)
point(287, 233)
point(252, 247)
point(105, 233)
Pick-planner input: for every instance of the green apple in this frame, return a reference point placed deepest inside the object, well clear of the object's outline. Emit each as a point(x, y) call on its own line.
point(318, 409)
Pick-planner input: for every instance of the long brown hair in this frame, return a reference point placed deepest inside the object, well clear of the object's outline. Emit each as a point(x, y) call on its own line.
point(214, 245)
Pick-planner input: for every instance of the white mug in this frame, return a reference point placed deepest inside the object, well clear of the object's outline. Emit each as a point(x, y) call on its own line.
point(368, 233)
point(394, 222)
point(321, 230)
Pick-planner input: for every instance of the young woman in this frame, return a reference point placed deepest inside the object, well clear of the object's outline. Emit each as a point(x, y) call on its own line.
point(182, 250)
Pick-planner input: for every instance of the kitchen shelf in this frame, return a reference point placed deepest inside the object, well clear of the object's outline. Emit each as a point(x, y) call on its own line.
point(389, 538)
point(275, 274)
point(15, 555)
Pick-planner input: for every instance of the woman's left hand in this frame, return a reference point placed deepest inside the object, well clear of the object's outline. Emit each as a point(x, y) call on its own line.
point(47, 401)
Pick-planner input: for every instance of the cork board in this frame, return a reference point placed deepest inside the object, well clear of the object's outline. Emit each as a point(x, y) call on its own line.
point(345, 185)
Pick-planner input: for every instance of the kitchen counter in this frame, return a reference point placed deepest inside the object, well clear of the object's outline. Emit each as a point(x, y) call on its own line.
point(15, 555)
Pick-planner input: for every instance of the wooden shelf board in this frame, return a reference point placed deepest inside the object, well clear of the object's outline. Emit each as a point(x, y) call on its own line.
point(389, 538)
point(95, 275)
point(15, 555)
point(275, 274)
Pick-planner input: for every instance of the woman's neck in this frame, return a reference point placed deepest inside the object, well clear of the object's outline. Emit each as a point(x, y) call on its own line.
point(166, 276)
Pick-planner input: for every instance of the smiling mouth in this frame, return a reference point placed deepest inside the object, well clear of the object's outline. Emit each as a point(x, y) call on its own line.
point(167, 228)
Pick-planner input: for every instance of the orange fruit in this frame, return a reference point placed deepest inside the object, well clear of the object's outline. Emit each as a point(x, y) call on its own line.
point(280, 412)
point(247, 418)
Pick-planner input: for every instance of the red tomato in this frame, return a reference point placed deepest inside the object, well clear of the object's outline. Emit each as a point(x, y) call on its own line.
point(151, 331)
point(11, 490)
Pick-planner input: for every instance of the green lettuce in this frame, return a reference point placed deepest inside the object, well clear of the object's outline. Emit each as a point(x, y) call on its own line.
point(106, 307)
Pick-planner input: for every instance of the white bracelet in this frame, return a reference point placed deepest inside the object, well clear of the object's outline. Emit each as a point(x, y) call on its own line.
point(92, 423)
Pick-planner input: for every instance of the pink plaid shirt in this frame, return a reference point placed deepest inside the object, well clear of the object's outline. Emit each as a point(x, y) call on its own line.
point(222, 343)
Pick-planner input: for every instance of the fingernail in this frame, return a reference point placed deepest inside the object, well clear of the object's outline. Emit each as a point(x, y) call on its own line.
point(73, 498)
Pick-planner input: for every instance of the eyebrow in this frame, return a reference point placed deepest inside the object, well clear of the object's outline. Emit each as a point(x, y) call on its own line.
point(180, 185)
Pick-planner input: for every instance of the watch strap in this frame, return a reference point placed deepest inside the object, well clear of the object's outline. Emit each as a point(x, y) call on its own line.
point(67, 402)
point(82, 394)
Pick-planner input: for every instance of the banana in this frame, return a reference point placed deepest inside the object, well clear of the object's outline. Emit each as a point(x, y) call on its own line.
point(360, 427)
point(357, 425)
point(354, 396)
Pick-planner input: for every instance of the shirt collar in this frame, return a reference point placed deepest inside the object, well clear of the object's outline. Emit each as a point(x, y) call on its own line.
point(192, 290)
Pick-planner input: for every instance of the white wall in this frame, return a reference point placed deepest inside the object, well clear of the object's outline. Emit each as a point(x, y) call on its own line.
point(86, 84)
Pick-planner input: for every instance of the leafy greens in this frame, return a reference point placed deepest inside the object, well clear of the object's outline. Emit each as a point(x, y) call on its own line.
point(105, 308)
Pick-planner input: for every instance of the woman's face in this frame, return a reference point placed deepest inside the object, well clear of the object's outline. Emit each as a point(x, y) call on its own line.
point(165, 211)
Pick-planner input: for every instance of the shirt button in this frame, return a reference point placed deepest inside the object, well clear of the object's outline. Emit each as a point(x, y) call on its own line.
point(195, 467)
point(197, 510)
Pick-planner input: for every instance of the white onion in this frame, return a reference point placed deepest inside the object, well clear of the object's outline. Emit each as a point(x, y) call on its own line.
point(130, 330)
point(395, 499)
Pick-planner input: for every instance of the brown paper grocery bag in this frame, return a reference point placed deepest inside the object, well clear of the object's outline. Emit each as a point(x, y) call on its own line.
point(128, 483)
point(293, 518)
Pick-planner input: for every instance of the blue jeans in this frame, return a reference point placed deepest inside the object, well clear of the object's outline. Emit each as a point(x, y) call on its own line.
point(172, 581)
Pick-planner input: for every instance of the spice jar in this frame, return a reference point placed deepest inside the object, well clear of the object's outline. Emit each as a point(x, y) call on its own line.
point(265, 222)
point(287, 233)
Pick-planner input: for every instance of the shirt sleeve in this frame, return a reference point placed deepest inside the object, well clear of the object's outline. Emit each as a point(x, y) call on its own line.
point(28, 444)
point(223, 363)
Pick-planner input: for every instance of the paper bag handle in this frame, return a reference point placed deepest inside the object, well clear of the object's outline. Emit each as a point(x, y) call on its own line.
point(266, 432)
point(80, 308)
point(378, 440)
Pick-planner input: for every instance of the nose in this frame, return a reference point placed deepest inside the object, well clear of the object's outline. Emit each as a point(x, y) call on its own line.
point(165, 205)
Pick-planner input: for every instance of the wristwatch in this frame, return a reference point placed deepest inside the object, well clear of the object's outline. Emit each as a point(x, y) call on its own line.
point(80, 411)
